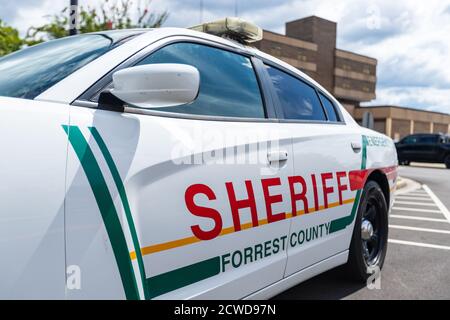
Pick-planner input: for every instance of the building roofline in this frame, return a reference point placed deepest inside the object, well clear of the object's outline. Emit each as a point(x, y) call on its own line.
point(406, 108)
point(294, 41)
point(358, 54)
point(309, 17)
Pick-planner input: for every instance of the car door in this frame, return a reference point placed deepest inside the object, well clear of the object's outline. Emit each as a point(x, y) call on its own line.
point(181, 202)
point(407, 148)
point(325, 151)
point(421, 149)
point(429, 146)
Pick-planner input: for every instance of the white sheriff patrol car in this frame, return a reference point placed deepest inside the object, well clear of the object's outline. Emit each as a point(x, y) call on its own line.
point(180, 163)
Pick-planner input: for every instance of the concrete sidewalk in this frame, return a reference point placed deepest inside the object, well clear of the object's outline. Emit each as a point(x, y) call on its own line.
point(428, 165)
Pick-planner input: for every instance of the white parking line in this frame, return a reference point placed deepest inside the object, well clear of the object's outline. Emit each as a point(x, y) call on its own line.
point(417, 193)
point(423, 197)
point(416, 210)
point(414, 198)
point(394, 226)
point(398, 216)
point(418, 244)
point(438, 202)
point(416, 203)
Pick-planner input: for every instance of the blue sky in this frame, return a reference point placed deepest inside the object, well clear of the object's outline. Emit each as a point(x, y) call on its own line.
point(410, 38)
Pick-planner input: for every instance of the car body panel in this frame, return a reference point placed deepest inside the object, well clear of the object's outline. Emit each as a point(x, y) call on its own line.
point(32, 171)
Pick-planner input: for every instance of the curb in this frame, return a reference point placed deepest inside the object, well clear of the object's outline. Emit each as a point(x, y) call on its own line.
point(401, 183)
point(405, 185)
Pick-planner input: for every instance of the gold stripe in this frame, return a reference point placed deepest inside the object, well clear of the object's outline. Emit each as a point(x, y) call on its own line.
point(193, 239)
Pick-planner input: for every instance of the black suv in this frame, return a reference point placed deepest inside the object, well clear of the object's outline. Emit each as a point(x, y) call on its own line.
point(424, 147)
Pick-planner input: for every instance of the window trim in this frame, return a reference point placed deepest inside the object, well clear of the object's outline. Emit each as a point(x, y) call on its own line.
point(268, 95)
point(84, 100)
point(277, 103)
point(333, 105)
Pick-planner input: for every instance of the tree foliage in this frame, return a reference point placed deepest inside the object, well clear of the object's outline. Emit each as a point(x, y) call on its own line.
point(112, 14)
point(9, 39)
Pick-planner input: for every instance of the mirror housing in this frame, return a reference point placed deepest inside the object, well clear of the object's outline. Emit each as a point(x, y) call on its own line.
point(157, 85)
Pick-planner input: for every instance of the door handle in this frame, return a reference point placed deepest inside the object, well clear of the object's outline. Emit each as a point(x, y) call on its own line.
point(277, 156)
point(356, 146)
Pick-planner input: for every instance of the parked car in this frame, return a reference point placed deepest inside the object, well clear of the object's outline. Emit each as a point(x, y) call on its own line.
point(424, 147)
point(114, 184)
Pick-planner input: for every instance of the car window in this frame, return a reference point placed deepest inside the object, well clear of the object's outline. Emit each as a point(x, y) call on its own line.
point(29, 72)
point(428, 139)
point(298, 99)
point(329, 108)
point(409, 140)
point(228, 84)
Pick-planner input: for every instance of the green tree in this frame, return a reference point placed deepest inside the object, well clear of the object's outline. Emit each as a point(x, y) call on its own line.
point(9, 39)
point(111, 15)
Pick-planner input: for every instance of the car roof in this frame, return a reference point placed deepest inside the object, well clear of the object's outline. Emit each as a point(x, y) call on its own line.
point(426, 134)
point(119, 34)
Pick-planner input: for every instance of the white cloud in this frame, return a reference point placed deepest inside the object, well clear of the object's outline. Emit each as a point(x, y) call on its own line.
point(427, 98)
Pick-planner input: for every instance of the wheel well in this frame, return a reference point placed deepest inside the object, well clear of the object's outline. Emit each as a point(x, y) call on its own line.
point(380, 178)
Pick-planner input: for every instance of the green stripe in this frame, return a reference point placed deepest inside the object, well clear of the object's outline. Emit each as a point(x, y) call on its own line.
point(182, 277)
point(107, 209)
point(123, 196)
point(342, 223)
point(364, 153)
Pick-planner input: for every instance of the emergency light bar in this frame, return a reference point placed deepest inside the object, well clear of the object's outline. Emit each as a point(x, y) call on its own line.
point(232, 27)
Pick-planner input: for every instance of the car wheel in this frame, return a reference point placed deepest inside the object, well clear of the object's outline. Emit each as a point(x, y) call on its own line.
point(447, 161)
point(369, 240)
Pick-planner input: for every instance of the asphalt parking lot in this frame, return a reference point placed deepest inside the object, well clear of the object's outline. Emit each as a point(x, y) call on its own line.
point(417, 264)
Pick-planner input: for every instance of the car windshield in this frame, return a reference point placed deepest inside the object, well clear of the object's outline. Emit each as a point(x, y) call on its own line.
point(29, 72)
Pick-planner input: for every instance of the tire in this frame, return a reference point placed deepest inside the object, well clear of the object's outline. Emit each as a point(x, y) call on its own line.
point(447, 161)
point(367, 255)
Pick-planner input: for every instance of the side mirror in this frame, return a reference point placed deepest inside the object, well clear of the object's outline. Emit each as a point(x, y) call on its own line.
point(157, 85)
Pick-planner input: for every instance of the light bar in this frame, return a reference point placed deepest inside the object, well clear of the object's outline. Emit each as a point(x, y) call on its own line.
point(234, 28)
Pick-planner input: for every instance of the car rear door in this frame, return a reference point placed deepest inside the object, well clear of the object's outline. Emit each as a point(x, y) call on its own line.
point(429, 148)
point(325, 151)
point(186, 201)
point(419, 148)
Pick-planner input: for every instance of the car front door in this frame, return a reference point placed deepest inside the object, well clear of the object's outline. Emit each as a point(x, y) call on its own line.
point(181, 202)
point(325, 151)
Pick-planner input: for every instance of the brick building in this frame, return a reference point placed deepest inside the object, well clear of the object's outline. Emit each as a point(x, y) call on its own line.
point(398, 122)
point(310, 45)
